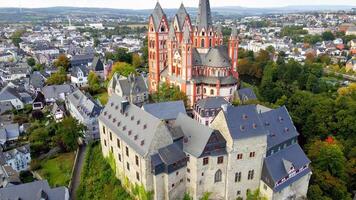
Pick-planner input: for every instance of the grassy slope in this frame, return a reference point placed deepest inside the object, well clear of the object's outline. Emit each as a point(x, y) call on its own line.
point(98, 181)
point(58, 170)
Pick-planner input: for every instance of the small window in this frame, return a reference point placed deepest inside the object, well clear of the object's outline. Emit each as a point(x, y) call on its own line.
point(105, 142)
point(206, 161)
point(188, 170)
point(237, 177)
point(250, 174)
point(128, 166)
point(211, 92)
point(220, 159)
point(137, 161)
point(110, 136)
point(137, 176)
point(218, 176)
point(118, 143)
point(239, 156)
point(127, 151)
point(119, 156)
point(252, 154)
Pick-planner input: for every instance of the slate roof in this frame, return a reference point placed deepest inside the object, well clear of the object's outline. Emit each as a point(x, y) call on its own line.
point(204, 15)
point(244, 121)
point(53, 91)
point(274, 166)
point(97, 64)
point(211, 103)
point(81, 68)
point(196, 135)
point(135, 126)
point(157, 16)
point(246, 94)
point(37, 80)
point(215, 57)
point(33, 191)
point(226, 80)
point(181, 15)
point(9, 93)
point(84, 104)
point(5, 106)
point(9, 132)
point(11, 154)
point(131, 85)
point(171, 154)
point(279, 126)
point(165, 110)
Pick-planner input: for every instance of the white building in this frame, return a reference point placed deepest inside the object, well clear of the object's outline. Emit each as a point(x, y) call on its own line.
point(19, 158)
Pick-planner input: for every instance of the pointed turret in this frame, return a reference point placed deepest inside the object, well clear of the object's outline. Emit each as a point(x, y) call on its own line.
point(204, 15)
point(234, 33)
point(172, 34)
point(157, 15)
point(181, 15)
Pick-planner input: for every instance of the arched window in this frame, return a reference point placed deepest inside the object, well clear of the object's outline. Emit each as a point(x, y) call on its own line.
point(198, 90)
point(163, 29)
point(217, 177)
point(202, 43)
point(204, 90)
point(210, 42)
point(211, 92)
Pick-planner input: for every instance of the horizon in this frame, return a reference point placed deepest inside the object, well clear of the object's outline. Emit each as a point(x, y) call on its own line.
point(145, 5)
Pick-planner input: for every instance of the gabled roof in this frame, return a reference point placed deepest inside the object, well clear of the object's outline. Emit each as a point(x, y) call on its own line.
point(204, 15)
point(278, 165)
point(32, 191)
point(9, 93)
point(279, 126)
point(196, 135)
point(131, 85)
point(171, 154)
point(246, 94)
point(211, 103)
point(157, 16)
point(133, 125)
point(215, 57)
point(53, 91)
point(81, 68)
point(165, 110)
point(9, 132)
point(97, 64)
point(244, 122)
point(37, 80)
point(84, 104)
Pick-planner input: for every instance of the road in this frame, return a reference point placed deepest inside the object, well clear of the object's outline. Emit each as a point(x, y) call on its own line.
point(344, 76)
point(77, 171)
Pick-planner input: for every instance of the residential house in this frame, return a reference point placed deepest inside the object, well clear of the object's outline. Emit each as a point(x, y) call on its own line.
point(132, 88)
point(245, 94)
point(34, 190)
point(8, 176)
point(79, 76)
point(39, 102)
point(5, 107)
point(55, 93)
point(37, 81)
point(82, 60)
point(351, 30)
point(9, 94)
point(19, 158)
point(86, 110)
point(9, 132)
point(205, 110)
point(58, 112)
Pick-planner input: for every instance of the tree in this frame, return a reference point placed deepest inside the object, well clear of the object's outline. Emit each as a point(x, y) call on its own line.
point(136, 60)
point(167, 92)
point(16, 37)
point(255, 195)
point(123, 69)
point(327, 36)
point(69, 130)
point(93, 82)
point(62, 62)
point(31, 62)
point(57, 78)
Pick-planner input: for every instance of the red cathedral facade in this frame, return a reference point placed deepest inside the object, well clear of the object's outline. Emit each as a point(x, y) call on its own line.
point(192, 57)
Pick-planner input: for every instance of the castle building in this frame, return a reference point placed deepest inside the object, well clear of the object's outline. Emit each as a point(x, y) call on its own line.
point(245, 148)
point(192, 57)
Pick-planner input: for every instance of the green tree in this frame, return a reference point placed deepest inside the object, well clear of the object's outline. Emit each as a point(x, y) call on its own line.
point(69, 130)
point(57, 78)
point(124, 69)
point(255, 195)
point(167, 92)
point(16, 37)
point(93, 82)
point(327, 36)
point(31, 61)
point(136, 60)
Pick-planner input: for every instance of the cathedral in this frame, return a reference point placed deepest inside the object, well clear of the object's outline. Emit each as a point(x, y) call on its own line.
point(192, 57)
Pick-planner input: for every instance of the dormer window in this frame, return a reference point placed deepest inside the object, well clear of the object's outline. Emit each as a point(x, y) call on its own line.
point(145, 126)
point(163, 29)
point(142, 142)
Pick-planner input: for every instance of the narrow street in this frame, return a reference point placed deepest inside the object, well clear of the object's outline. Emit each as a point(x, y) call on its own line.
point(77, 171)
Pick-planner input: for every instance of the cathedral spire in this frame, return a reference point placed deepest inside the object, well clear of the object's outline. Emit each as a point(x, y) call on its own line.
point(204, 15)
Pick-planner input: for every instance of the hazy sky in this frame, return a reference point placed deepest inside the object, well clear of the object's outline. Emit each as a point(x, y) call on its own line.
point(142, 4)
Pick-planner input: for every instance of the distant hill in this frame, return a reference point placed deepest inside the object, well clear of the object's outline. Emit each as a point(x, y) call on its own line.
point(14, 14)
